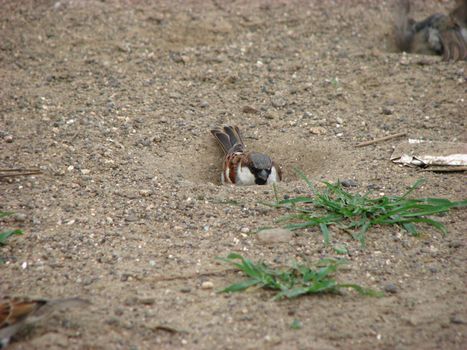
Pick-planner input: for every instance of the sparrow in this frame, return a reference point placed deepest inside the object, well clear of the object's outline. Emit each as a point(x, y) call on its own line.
point(16, 313)
point(439, 34)
point(240, 167)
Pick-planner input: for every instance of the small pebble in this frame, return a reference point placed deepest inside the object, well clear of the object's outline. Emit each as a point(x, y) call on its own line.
point(145, 193)
point(457, 319)
point(20, 217)
point(391, 288)
point(278, 102)
point(130, 301)
point(185, 289)
point(178, 58)
point(404, 60)
point(131, 218)
point(207, 285)
point(231, 79)
point(454, 244)
point(348, 183)
point(387, 111)
point(318, 130)
point(125, 277)
point(271, 115)
point(8, 138)
point(249, 110)
point(113, 321)
point(119, 311)
point(147, 301)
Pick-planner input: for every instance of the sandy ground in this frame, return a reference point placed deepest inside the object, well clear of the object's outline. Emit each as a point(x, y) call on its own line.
point(114, 100)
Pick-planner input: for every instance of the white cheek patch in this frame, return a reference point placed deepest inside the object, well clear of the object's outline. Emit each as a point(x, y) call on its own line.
point(273, 176)
point(244, 176)
point(225, 178)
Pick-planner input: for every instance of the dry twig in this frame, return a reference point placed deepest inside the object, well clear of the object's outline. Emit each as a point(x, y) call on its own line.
point(389, 137)
point(19, 172)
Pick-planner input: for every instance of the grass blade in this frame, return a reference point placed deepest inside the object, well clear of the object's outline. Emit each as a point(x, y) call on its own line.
point(360, 290)
point(302, 175)
point(239, 287)
point(325, 231)
point(5, 235)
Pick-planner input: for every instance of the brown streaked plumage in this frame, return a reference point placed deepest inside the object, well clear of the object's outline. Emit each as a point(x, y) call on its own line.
point(15, 313)
point(440, 34)
point(241, 167)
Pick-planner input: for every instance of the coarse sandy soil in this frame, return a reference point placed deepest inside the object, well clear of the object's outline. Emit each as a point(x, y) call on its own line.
point(114, 100)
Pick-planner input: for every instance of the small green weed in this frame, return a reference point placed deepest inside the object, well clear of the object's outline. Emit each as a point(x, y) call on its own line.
point(296, 324)
point(293, 281)
point(5, 213)
point(6, 234)
point(355, 213)
point(335, 81)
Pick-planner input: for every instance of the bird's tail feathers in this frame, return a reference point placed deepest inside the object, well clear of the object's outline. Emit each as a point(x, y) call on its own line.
point(229, 137)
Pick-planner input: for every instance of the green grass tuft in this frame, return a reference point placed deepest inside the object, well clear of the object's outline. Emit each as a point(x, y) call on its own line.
point(356, 214)
point(296, 324)
point(293, 281)
point(8, 233)
point(5, 214)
